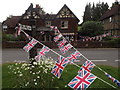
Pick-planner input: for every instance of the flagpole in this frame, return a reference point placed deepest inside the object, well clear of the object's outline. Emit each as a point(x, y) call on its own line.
point(72, 62)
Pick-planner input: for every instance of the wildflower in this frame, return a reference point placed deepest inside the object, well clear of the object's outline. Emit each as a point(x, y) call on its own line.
point(34, 79)
point(35, 63)
point(33, 73)
point(32, 66)
point(35, 83)
point(38, 76)
point(20, 75)
point(14, 72)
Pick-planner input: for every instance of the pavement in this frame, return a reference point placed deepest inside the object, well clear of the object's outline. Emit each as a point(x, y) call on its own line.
point(100, 56)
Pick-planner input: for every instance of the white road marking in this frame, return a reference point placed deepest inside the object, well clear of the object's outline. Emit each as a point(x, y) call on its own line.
point(117, 60)
point(99, 60)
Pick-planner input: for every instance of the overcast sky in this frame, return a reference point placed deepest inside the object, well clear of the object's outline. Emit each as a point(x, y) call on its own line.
point(18, 7)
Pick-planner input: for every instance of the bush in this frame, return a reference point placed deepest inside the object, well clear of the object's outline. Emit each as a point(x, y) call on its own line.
point(11, 37)
point(111, 40)
point(91, 28)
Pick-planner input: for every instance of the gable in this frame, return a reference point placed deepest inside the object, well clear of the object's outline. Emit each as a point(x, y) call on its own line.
point(65, 12)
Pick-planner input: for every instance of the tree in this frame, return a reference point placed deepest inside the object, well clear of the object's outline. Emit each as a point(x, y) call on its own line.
point(91, 28)
point(94, 12)
point(87, 13)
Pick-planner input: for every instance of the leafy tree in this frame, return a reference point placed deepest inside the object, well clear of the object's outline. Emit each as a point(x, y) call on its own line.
point(91, 28)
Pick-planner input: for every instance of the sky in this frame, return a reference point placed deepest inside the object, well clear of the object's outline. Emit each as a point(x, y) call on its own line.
point(18, 7)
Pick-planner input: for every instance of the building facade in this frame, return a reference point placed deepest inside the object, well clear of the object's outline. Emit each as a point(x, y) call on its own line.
point(111, 20)
point(65, 20)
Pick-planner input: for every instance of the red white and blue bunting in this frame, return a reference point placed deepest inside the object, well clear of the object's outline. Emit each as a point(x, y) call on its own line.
point(61, 63)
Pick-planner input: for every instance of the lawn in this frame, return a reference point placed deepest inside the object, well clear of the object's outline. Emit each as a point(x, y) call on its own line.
point(10, 80)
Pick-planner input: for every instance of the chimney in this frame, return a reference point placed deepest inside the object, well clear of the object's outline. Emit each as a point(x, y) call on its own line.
point(37, 6)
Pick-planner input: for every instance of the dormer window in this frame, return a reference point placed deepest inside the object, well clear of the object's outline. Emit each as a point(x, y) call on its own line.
point(64, 24)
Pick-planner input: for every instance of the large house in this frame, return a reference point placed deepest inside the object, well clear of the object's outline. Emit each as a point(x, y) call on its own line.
point(111, 20)
point(65, 20)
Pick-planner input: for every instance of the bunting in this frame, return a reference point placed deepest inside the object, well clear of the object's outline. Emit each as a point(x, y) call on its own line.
point(113, 79)
point(74, 56)
point(62, 43)
point(59, 66)
point(30, 45)
point(57, 37)
point(84, 77)
point(82, 80)
point(42, 52)
point(88, 66)
point(65, 48)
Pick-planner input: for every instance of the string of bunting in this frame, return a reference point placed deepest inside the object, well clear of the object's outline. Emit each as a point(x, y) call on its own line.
point(99, 37)
point(88, 65)
point(83, 73)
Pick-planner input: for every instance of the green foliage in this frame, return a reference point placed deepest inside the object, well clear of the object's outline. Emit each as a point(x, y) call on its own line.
point(94, 12)
point(91, 28)
point(112, 40)
point(11, 37)
point(18, 75)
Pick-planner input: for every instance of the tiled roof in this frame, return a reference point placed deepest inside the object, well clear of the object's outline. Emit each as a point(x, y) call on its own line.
point(12, 21)
point(113, 11)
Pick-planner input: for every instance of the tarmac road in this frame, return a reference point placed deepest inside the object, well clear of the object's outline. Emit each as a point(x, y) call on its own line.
point(101, 56)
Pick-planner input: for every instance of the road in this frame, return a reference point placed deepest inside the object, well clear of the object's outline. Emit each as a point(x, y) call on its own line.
point(101, 56)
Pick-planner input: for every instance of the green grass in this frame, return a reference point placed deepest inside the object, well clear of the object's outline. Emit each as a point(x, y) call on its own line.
point(9, 80)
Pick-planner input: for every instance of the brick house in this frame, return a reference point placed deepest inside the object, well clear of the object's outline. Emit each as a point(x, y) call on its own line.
point(65, 20)
point(111, 20)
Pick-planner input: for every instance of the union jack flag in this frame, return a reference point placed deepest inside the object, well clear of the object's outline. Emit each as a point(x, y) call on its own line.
point(30, 45)
point(88, 66)
point(82, 80)
point(65, 48)
point(18, 29)
point(42, 52)
point(57, 37)
point(113, 79)
point(59, 66)
point(74, 56)
point(62, 43)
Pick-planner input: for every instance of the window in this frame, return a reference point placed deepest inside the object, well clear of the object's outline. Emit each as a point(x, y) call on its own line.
point(64, 24)
point(5, 27)
point(110, 19)
point(48, 23)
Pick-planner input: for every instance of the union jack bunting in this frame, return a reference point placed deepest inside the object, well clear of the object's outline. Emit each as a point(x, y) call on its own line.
point(88, 66)
point(30, 45)
point(42, 52)
point(62, 43)
point(82, 80)
point(18, 29)
point(113, 79)
point(56, 38)
point(74, 56)
point(65, 48)
point(59, 66)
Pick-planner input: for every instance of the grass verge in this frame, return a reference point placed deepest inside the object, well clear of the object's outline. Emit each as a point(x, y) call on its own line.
point(9, 80)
